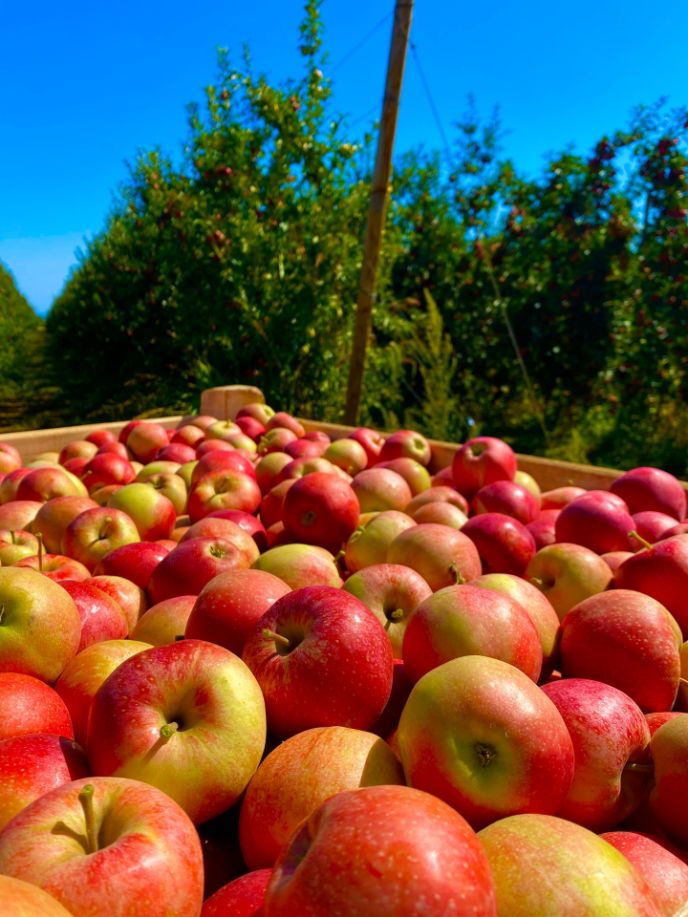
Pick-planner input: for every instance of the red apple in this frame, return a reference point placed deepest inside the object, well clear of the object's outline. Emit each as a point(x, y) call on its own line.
point(107, 468)
point(320, 509)
point(480, 461)
point(379, 489)
point(102, 618)
point(190, 565)
point(242, 897)
point(442, 555)
point(223, 490)
point(135, 561)
point(506, 497)
point(503, 543)
point(660, 571)
point(29, 706)
point(599, 520)
point(130, 597)
point(28, 900)
point(648, 488)
point(567, 573)
point(660, 864)
point(146, 439)
point(53, 517)
point(96, 532)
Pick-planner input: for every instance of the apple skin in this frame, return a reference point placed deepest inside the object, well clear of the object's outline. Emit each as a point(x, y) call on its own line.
point(228, 607)
point(406, 444)
point(222, 460)
point(392, 592)
point(49, 481)
point(10, 458)
point(30, 706)
point(599, 520)
point(661, 866)
point(442, 513)
point(543, 864)
point(102, 618)
point(441, 554)
point(414, 473)
point(205, 761)
point(382, 850)
point(559, 497)
point(85, 673)
point(346, 454)
point(660, 571)
point(145, 440)
point(57, 567)
point(480, 461)
point(284, 420)
point(379, 489)
point(190, 565)
point(223, 490)
point(107, 468)
point(506, 497)
point(268, 469)
point(164, 622)
point(628, 640)
point(134, 561)
point(301, 773)
point(41, 627)
point(467, 620)
point(320, 509)
point(53, 517)
point(652, 526)
point(437, 493)
point(608, 730)
point(567, 573)
point(153, 513)
point(482, 736)
point(218, 527)
point(16, 544)
point(542, 528)
point(669, 797)
point(34, 764)
point(300, 565)
point(95, 532)
point(130, 597)
point(150, 859)
point(369, 542)
point(371, 440)
point(336, 669)
point(648, 488)
point(18, 514)
point(24, 899)
point(242, 897)
point(504, 544)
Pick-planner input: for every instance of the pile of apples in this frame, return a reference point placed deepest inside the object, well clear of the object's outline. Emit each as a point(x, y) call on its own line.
point(247, 669)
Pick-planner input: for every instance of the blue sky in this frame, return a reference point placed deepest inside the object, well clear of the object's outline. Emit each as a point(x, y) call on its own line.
point(87, 84)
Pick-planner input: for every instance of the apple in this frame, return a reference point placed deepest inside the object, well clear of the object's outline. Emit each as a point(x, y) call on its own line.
point(102, 617)
point(300, 774)
point(18, 514)
point(599, 520)
point(156, 467)
point(242, 897)
point(660, 571)
point(659, 864)
point(406, 444)
point(41, 627)
point(275, 439)
point(442, 555)
point(146, 439)
point(176, 452)
point(651, 526)
point(468, 620)
point(320, 509)
point(10, 458)
point(247, 521)
point(669, 797)
point(648, 488)
point(188, 433)
point(223, 490)
point(107, 468)
point(269, 468)
point(609, 733)
point(543, 527)
point(187, 717)
point(77, 448)
point(371, 440)
point(559, 497)
point(49, 481)
point(15, 544)
point(24, 899)
point(346, 454)
point(190, 565)
point(96, 837)
point(272, 504)
point(29, 705)
point(300, 565)
point(482, 736)
point(480, 461)
point(222, 460)
point(285, 421)
point(84, 674)
point(322, 659)
point(219, 527)
point(414, 473)
point(503, 543)
point(153, 513)
point(130, 597)
point(57, 567)
point(506, 497)
point(567, 573)
point(134, 561)
point(544, 864)
point(250, 426)
point(97, 531)
point(164, 622)
point(305, 448)
point(382, 850)
point(626, 639)
point(437, 493)
point(379, 489)
point(54, 516)
point(228, 607)
point(198, 420)
point(392, 592)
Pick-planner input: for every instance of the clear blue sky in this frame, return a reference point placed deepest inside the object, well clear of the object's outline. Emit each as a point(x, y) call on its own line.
point(87, 84)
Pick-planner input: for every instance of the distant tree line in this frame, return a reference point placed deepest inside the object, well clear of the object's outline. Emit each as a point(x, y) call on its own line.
point(551, 310)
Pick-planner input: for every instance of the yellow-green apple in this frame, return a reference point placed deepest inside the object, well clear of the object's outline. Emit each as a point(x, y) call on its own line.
point(40, 627)
point(481, 735)
point(24, 899)
point(504, 544)
point(54, 516)
point(346, 454)
point(228, 607)
point(18, 514)
point(610, 734)
point(648, 488)
point(599, 520)
point(414, 473)
point(164, 622)
point(567, 573)
point(660, 571)
point(187, 717)
point(379, 489)
point(146, 439)
point(669, 797)
point(135, 561)
point(192, 564)
point(506, 497)
point(628, 640)
point(50, 481)
point(29, 705)
point(382, 850)
point(480, 461)
point(222, 490)
point(322, 659)
point(558, 497)
point(153, 513)
point(242, 897)
point(56, 567)
point(543, 864)
point(369, 542)
point(221, 430)
point(441, 554)
point(77, 448)
point(218, 527)
point(542, 528)
point(525, 479)
point(172, 486)
point(107, 468)
point(661, 865)
point(34, 764)
point(466, 620)
point(301, 773)
point(15, 544)
point(84, 674)
point(102, 617)
point(106, 845)
point(300, 565)
point(130, 597)
point(97, 531)
point(392, 592)
point(156, 467)
point(320, 509)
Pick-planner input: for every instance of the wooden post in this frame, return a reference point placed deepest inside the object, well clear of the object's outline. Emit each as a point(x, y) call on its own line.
point(376, 211)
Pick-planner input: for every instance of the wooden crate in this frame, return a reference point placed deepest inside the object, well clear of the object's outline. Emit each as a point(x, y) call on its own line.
point(225, 401)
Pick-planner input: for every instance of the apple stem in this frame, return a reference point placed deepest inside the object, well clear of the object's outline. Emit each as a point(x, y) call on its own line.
point(638, 767)
point(278, 638)
point(537, 581)
point(643, 541)
point(86, 800)
point(456, 573)
point(168, 730)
